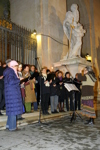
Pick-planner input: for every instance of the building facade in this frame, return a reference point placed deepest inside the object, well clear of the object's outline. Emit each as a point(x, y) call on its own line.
point(47, 16)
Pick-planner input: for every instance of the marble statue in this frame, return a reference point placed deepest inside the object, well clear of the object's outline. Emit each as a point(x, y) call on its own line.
point(73, 62)
point(74, 32)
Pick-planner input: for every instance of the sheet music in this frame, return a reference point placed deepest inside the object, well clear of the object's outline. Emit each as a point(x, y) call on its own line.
point(70, 87)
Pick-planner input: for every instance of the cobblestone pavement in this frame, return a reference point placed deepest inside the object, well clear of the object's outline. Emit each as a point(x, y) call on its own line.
point(59, 134)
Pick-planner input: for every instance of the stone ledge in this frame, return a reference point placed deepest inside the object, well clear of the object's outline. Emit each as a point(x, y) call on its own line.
point(32, 118)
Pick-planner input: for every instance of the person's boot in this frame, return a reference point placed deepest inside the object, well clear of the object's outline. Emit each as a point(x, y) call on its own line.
point(59, 107)
point(87, 121)
point(1, 114)
point(62, 107)
point(43, 112)
point(91, 122)
point(55, 111)
point(47, 113)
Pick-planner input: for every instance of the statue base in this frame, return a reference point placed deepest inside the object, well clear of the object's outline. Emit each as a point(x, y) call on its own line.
point(73, 65)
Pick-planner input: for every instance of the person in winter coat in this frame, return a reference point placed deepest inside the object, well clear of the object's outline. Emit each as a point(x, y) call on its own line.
point(19, 117)
point(29, 89)
point(13, 98)
point(2, 100)
point(88, 81)
point(44, 91)
point(77, 93)
point(53, 93)
point(61, 91)
point(68, 80)
point(34, 75)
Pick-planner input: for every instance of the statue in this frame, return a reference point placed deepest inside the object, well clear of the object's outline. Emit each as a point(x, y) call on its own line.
point(74, 32)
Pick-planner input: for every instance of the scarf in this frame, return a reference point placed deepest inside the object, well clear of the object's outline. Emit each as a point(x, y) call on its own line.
point(92, 76)
point(44, 76)
point(15, 71)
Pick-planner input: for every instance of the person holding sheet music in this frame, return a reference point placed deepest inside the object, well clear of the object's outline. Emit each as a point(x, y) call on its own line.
point(35, 74)
point(68, 80)
point(44, 91)
point(61, 91)
point(13, 96)
point(29, 89)
point(77, 93)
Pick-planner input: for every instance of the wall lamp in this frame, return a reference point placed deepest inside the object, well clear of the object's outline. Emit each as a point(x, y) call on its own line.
point(35, 33)
point(88, 57)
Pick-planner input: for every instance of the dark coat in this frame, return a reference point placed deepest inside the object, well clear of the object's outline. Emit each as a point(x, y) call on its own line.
point(12, 91)
point(1, 80)
point(43, 89)
point(77, 83)
point(54, 89)
point(61, 89)
point(68, 80)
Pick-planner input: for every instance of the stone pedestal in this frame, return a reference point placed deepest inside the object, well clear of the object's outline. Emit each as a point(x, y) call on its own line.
point(73, 65)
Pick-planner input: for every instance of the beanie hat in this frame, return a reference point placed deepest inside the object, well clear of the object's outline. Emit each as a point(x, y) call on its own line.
point(8, 61)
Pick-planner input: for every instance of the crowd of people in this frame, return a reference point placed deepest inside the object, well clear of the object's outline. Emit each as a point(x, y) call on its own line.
point(22, 88)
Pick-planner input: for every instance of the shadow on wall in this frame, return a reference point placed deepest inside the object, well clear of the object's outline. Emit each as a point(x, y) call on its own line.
point(56, 31)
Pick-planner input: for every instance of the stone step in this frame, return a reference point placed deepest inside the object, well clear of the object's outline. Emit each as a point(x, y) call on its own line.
point(31, 118)
point(34, 116)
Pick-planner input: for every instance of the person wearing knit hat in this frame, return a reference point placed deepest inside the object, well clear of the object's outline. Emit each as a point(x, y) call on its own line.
point(13, 98)
point(88, 79)
point(8, 62)
point(14, 66)
point(13, 63)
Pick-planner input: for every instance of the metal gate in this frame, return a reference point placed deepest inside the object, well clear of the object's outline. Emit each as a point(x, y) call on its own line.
point(16, 43)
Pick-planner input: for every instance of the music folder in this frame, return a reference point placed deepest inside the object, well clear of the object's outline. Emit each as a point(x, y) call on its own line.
point(70, 87)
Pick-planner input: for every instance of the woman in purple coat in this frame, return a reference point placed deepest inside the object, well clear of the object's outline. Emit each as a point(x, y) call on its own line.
point(13, 97)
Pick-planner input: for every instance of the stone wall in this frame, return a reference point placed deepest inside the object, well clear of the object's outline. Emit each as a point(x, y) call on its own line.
point(46, 16)
point(4, 8)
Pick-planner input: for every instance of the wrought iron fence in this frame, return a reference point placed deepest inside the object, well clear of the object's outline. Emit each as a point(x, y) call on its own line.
point(16, 43)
